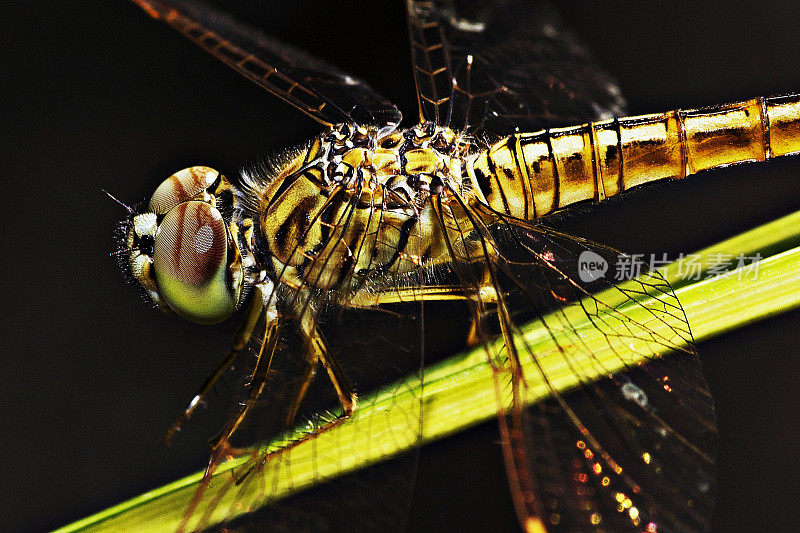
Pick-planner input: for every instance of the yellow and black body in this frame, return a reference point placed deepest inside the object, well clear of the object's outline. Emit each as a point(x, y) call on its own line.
point(352, 208)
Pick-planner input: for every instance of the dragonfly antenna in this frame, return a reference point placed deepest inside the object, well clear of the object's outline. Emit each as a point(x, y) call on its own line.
point(123, 204)
point(121, 251)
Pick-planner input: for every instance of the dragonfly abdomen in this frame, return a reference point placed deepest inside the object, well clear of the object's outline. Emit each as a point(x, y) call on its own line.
point(529, 175)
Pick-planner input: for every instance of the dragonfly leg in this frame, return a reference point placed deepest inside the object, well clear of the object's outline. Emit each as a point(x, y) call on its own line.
point(318, 353)
point(240, 341)
point(266, 351)
point(486, 295)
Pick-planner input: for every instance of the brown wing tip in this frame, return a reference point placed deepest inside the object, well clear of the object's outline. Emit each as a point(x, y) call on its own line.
point(156, 9)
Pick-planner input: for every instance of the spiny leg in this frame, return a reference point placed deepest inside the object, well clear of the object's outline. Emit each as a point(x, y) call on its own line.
point(240, 341)
point(258, 379)
point(263, 302)
point(485, 295)
point(318, 353)
point(372, 298)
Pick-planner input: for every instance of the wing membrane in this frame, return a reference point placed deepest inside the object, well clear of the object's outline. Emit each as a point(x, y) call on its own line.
point(631, 444)
point(502, 66)
point(311, 85)
point(373, 498)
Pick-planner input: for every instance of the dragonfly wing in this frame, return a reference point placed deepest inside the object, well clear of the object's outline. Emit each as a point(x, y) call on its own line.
point(503, 66)
point(605, 416)
point(318, 89)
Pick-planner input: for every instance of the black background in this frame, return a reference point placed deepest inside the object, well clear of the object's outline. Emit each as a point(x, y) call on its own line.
point(98, 96)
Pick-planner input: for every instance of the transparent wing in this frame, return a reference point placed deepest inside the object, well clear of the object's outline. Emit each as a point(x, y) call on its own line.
point(313, 86)
point(370, 499)
point(502, 66)
point(606, 421)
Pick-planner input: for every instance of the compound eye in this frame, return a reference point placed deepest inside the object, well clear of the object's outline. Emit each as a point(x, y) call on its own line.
point(181, 186)
point(190, 263)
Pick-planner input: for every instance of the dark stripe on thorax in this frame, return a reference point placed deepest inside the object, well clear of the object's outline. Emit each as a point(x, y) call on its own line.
point(297, 218)
point(402, 242)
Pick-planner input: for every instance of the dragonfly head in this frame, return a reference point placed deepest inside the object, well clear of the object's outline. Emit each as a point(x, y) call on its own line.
point(183, 249)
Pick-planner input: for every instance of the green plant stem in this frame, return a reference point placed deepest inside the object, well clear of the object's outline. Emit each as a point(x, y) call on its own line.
point(459, 392)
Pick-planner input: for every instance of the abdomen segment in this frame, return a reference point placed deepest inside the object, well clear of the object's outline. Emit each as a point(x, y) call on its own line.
point(528, 175)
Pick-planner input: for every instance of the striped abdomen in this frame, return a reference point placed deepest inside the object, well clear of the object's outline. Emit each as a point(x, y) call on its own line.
point(529, 175)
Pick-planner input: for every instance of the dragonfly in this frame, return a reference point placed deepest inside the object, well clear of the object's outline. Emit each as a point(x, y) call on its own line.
point(370, 215)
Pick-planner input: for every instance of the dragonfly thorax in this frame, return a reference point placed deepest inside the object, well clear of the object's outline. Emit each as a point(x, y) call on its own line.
point(354, 205)
point(405, 165)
